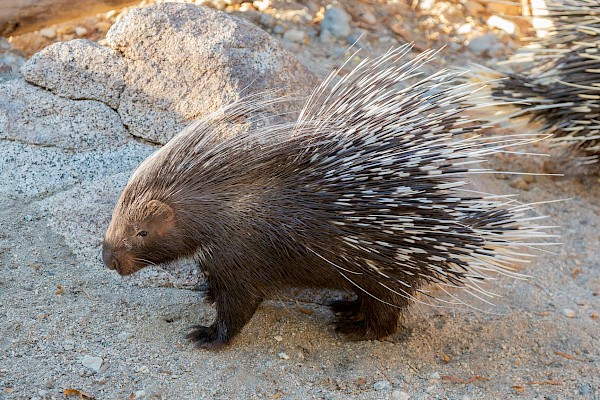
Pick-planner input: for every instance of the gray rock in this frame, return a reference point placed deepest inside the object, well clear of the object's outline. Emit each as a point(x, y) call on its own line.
point(48, 33)
point(567, 312)
point(197, 61)
point(336, 21)
point(35, 116)
point(279, 29)
point(218, 4)
point(78, 69)
point(10, 61)
point(267, 20)
point(91, 362)
point(585, 389)
point(294, 35)
point(400, 395)
point(483, 44)
point(368, 18)
point(381, 385)
point(4, 44)
point(5, 68)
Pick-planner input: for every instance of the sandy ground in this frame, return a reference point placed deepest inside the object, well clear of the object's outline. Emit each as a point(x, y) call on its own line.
point(540, 341)
point(529, 347)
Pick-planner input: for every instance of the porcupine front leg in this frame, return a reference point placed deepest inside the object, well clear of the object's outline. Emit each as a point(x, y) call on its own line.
point(235, 307)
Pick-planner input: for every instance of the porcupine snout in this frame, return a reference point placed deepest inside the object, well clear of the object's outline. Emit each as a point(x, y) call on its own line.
point(108, 258)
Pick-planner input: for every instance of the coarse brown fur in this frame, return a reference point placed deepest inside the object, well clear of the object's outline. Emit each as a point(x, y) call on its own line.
point(359, 194)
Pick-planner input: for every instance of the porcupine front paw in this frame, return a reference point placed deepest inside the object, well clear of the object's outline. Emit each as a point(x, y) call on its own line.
point(207, 337)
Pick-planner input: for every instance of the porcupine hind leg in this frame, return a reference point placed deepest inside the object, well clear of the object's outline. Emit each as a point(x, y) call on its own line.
point(368, 318)
point(235, 307)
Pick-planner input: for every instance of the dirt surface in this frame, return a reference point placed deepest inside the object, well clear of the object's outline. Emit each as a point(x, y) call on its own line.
point(541, 340)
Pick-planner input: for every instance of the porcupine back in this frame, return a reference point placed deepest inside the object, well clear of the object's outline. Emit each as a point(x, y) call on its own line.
point(365, 191)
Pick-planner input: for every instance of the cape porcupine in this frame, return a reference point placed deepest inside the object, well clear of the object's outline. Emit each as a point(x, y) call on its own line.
point(562, 92)
point(364, 192)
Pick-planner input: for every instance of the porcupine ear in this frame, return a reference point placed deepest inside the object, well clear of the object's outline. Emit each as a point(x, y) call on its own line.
point(161, 217)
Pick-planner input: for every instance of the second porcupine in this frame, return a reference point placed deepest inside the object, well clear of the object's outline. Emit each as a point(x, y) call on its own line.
point(561, 92)
point(364, 192)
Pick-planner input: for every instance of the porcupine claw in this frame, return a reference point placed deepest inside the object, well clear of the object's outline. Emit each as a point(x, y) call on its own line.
point(206, 337)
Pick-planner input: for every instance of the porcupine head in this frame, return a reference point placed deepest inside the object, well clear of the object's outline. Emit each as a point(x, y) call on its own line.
point(143, 232)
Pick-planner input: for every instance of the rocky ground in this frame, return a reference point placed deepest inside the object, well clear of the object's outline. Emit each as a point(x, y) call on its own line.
point(71, 327)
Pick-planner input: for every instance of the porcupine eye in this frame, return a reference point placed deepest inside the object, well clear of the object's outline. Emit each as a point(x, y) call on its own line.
point(142, 233)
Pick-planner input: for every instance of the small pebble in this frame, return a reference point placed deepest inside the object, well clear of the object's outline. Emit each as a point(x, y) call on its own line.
point(261, 5)
point(139, 394)
point(326, 36)
point(294, 35)
point(91, 362)
point(279, 29)
point(80, 30)
point(473, 7)
point(368, 18)
point(426, 4)
point(5, 44)
point(144, 369)
point(216, 4)
point(435, 376)
point(567, 312)
point(43, 393)
point(283, 356)
point(585, 389)
point(500, 23)
point(125, 335)
point(278, 338)
point(400, 395)
point(337, 21)
point(381, 385)
point(464, 29)
point(103, 26)
point(483, 44)
point(267, 20)
point(48, 33)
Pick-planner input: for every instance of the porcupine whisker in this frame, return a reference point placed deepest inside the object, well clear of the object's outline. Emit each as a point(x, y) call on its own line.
point(148, 262)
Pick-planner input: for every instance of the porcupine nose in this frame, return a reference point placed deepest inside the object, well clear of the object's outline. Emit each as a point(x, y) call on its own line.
point(109, 260)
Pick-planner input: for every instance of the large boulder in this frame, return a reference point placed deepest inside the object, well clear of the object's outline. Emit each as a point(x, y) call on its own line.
point(169, 64)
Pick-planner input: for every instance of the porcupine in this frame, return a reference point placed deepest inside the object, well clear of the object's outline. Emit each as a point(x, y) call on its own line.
point(363, 192)
point(561, 92)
